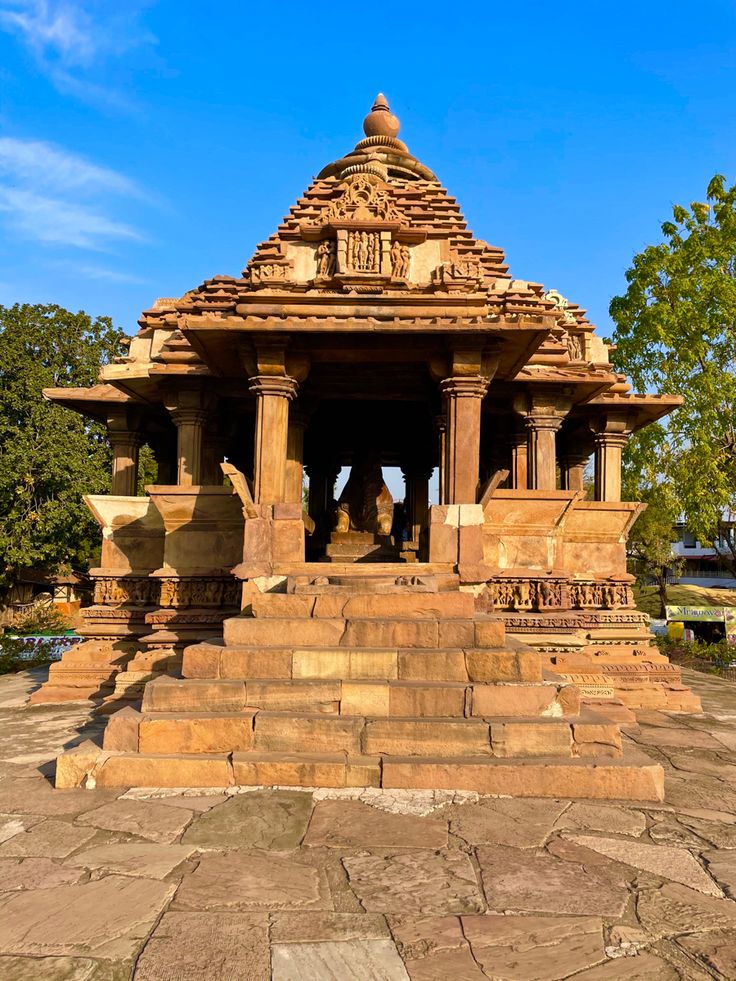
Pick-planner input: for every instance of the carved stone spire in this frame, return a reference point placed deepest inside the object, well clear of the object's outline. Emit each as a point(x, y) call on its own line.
point(380, 121)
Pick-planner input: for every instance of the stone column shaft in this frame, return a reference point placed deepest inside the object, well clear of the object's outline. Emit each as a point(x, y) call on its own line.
point(417, 500)
point(189, 429)
point(463, 397)
point(273, 394)
point(295, 457)
point(441, 424)
point(572, 472)
point(608, 451)
point(519, 474)
point(125, 453)
point(541, 457)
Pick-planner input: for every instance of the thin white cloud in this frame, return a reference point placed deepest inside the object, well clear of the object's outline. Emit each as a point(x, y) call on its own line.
point(61, 222)
point(102, 274)
point(52, 195)
point(72, 40)
point(61, 29)
point(36, 162)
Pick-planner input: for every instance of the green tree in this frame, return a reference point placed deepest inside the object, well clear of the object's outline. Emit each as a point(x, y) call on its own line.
point(49, 456)
point(676, 333)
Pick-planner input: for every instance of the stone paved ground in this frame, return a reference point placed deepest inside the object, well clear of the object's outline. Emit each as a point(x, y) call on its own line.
point(103, 885)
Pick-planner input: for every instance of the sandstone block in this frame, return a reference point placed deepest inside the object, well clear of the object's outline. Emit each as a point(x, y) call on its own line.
point(528, 779)
point(433, 700)
point(175, 695)
point(329, 605)
point(248, 662)
point(314, 696)
point(593, 739)
point(281, 631)
point(426, 737)
point(391, 633)
point(490, 633)
point(365, 698)
point(276, 733)
point(281, 605)
point(121, 732)
point(434, 606)
point(73, 766)
point(378, 665)
point(201, 661)
point(524, 739)
point(432, 666)
point(456, 633)
point(490, 665)
point(164, 771)
point(305, 770)
point(321, 664)
point(524, 700)
point(202, 734)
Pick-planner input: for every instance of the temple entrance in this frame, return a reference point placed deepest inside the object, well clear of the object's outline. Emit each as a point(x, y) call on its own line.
point(360, 519)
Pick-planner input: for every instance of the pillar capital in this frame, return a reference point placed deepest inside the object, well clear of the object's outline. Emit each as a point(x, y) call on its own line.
point(539, 421)
point(464, 386)
point(611, 439)
point(279, 386)
point(188, 417)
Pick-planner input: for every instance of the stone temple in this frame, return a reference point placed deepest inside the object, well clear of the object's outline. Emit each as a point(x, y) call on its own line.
point(242, 637)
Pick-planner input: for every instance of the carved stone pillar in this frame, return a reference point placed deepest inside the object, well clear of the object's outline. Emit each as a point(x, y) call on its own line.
point(572, 470)
point(189, 424)
point(417, 498)
point(125, 447)
point(609, 448)
point(273, 394)
point(295, 456)
point(541, 457)
point(463, 398)
point(519, 474)
point(441, 426)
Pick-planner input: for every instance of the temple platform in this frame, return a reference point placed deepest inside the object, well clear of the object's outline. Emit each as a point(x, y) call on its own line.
point(365, 681)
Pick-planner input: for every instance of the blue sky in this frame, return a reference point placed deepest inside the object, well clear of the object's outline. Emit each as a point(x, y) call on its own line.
point(147, 146)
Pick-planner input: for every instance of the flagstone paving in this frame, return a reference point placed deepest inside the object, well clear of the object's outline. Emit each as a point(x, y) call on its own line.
point(162, 885)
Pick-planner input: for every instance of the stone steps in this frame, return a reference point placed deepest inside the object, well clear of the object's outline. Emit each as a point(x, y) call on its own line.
point(632, 777)
point(380, 698)
point(363, 632)
point(200, 731)
point(489, 664)
point(338, 603)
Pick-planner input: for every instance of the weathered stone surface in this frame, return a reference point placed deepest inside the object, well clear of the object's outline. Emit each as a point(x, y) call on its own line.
point(642, 967)
point(541, 883)
point(216, 946)
point(489, 665)
point(434, 948)
point(50, 839)
point(34, 873)
point(442, 882)
point(13, 824)
point(722, 866)
point(532, 947)
point(432, 666)
point(164, 770)
point(716, 832)
point(109, 917)
point(262, 819)
point(365, 959)
point(673, 909)
point(306, 770)
point(146, 819)
point(316, 927)
point(434, 700)
point(285, 734)
point(525, 739)
point(715, 949)
point(176, 695)
point(519, 823)
point(676, 864)
point(36, 796)
point(253, 881)
point(152, 861)
point(350, 824)
point(602, 817)
point(410, 737)
point(121, 731)
point(54, 969)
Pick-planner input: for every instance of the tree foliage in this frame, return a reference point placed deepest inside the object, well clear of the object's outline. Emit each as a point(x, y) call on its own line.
point(676, 333)
point(49, 456)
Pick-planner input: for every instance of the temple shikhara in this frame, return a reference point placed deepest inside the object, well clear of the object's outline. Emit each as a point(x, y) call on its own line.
point(253, 627)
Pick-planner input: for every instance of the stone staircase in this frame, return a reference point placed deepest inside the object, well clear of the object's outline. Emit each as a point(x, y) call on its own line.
point(352, 681)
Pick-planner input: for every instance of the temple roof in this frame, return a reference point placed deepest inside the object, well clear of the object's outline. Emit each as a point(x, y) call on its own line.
point(375, 246)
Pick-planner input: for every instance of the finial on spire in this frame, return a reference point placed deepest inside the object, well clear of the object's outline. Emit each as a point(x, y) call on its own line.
point(380, 121)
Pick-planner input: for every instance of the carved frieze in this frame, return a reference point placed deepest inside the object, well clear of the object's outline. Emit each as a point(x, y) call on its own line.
point(172, 592)
point(124, 590)
point(365, 199)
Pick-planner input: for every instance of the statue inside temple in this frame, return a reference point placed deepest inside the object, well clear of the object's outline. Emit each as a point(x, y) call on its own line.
point(365, 503)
